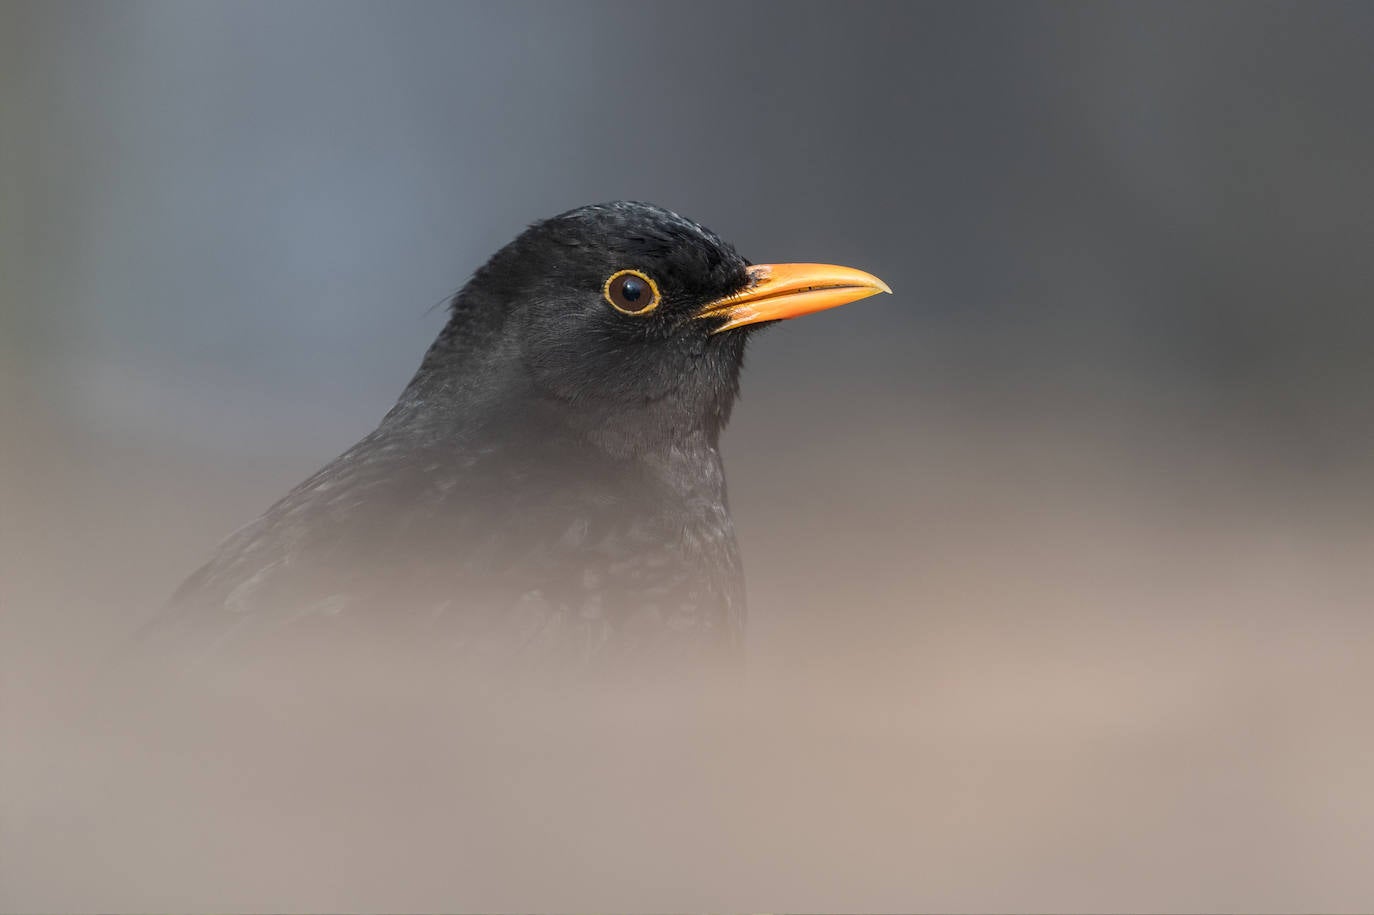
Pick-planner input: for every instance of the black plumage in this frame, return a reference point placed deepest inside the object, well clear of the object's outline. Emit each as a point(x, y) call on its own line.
point(547, 493)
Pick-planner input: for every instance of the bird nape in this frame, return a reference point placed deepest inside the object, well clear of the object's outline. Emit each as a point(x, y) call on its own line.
point(547, 495)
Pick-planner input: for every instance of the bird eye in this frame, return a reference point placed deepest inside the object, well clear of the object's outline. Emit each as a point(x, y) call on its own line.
point(631, 292)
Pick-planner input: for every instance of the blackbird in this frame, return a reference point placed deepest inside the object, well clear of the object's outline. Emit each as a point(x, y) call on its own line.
point(547, 493)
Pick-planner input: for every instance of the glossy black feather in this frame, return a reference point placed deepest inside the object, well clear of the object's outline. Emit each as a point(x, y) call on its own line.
point(546, 494)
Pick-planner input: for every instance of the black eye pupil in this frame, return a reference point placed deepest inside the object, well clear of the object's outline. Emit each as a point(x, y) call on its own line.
point(632, 292)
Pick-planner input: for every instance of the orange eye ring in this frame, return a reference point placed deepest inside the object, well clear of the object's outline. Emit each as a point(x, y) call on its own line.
point(626, 288)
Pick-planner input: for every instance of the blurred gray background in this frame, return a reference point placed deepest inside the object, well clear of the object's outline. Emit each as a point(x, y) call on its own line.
point(1079, 522)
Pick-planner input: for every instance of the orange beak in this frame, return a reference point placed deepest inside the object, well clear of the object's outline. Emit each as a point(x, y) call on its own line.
point(779, 291)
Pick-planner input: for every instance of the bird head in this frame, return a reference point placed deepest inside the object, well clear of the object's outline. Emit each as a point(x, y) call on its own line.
point(630, 315)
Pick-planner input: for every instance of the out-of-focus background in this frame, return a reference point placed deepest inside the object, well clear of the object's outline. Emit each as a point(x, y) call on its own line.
point(1061, 559)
